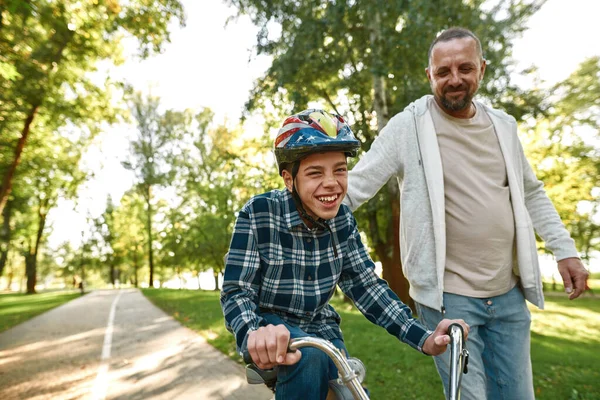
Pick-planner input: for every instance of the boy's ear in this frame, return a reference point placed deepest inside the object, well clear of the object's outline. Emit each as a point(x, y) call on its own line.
point(287, 179)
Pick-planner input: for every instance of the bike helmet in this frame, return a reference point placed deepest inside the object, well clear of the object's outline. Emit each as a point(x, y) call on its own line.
point(313, 131)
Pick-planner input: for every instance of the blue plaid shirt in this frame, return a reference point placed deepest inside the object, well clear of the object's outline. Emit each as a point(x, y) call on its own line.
point(277, 265)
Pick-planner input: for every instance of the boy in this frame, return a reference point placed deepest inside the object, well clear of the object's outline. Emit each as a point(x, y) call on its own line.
point(289, 250)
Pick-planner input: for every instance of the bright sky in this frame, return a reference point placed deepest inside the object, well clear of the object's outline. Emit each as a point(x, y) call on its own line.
point(210, 65)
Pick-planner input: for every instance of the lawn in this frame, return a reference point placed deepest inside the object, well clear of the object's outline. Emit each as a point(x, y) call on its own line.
point(18, 307)
point(565, 346)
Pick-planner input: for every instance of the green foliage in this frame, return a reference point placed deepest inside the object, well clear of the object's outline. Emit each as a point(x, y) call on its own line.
point(331, 51)
point(562, 146)
point(50, 102)
point(152, 156)
point(216, 174)
point(128, 230)
point(192, 177)
point(50, 48)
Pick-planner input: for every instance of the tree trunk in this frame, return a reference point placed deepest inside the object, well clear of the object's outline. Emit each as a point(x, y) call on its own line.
point(30, 272)
point(390, 261)
point(6, 187)
point(31, 257)
point(149, 228)
point(112, 275)
point(216, 276)
point(379, 87)
point(10, 277)
point(399, 283)
point(82, 269)
point(5, 236)
point(135, 267)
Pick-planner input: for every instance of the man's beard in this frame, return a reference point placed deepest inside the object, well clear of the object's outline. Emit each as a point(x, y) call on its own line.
point(460, 104)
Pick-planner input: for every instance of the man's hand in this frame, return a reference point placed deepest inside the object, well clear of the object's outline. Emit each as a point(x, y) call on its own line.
point(268, 347)
point(436, 343)
point(574, 276)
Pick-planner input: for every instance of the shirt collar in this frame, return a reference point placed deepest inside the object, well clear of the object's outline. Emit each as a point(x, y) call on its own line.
point(290, 211)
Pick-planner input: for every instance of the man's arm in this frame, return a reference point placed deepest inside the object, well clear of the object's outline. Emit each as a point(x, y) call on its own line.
point(374, 298)
point(376, 166)
point(548, 225)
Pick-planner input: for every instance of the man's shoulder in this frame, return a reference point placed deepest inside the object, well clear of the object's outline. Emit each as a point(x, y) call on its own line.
point(416, 108)
point(496, 112)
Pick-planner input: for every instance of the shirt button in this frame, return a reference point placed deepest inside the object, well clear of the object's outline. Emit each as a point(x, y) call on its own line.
point(307, 314)
point(489, 302)
point(308, 240)
point(310, 278)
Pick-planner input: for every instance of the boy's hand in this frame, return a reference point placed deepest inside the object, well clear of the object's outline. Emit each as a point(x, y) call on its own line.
point(268, 347)
point(436, 343)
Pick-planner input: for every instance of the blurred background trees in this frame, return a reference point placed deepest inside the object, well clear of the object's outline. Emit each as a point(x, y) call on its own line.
point(48, 51)
point(191, 173)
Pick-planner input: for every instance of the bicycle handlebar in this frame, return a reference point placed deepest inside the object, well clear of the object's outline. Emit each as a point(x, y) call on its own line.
point(459, 358)
point(345, 372)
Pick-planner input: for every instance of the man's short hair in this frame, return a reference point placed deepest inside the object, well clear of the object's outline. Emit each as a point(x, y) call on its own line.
point(454, 33)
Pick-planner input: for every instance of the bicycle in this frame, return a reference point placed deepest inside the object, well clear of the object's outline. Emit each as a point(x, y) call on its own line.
point(351, 371)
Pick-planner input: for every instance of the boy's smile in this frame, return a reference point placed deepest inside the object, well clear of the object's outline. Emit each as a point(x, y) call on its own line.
point(321, 183)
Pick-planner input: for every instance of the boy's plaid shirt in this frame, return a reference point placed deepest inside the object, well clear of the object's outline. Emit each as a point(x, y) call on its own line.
point(277, 265)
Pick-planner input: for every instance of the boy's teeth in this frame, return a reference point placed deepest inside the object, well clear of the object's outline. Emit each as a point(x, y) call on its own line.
point(328, 198)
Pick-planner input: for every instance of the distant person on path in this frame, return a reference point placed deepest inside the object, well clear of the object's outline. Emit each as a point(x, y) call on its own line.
point(289, 250)
point(469, 204)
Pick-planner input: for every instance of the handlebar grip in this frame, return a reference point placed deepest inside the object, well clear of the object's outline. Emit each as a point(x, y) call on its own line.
point(459, 326)
point(248, 358)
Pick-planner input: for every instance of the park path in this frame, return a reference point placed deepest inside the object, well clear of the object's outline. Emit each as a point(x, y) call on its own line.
point(74, 352)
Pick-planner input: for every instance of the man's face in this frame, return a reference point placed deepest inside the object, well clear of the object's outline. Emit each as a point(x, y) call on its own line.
point(454, 73)
point(321, 183)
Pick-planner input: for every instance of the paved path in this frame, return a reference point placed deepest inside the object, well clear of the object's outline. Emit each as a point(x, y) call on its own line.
point(67, 353)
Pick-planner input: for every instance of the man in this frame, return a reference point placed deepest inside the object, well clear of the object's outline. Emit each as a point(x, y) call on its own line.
point(469, 205)
point(289, 250)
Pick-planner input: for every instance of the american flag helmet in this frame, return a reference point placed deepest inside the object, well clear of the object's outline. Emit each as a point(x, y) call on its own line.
point(313, 131)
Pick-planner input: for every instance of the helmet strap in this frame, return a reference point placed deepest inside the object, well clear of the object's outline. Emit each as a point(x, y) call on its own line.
point(316, 223)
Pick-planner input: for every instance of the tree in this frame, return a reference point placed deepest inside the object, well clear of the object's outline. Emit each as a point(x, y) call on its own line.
point(152, 154)
point(51, 174)
point(366, 60)
point(47, 49)
point(129, 226)
point(562, 146)
point(216, 173)
point(105, 226)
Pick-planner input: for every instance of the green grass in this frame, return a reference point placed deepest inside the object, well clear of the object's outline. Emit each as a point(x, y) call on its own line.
point(18, 307)
point(565, 346)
